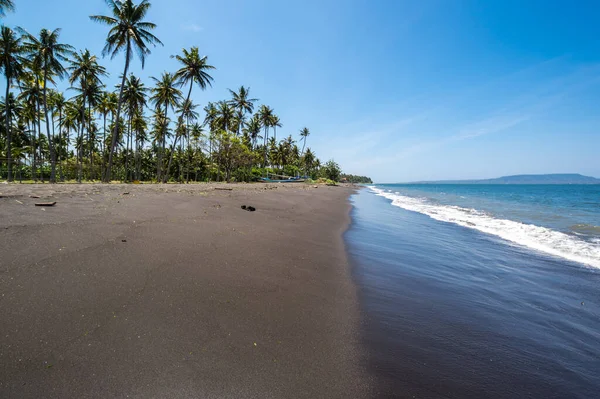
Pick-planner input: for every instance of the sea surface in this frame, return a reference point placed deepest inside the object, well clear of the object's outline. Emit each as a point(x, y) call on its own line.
point(479, 291)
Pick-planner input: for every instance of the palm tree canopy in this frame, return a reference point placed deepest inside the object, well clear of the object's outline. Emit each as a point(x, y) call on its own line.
point(6, 5)
point(225, 115)
point(195, 68)
point(165, 92)
point(11, 53)
point(129, 32)
point(107, 104)
point(275, 121)
point(85, 68)
point(58, 100)
point(188, 110)
point(92, 93)
point(266, 115)
point(46, 52)
point(134, 93)
point(241, 101)
point(304, 132)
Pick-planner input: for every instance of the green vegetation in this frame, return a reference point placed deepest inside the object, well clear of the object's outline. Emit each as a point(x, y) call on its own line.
point(144, 131)
point(356, 179)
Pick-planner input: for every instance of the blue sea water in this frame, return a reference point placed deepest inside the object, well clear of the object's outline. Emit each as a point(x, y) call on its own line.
point(561, 220)
point(479, 291)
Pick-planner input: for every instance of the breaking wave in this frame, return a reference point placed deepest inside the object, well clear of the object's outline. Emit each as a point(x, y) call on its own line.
point(539, 238)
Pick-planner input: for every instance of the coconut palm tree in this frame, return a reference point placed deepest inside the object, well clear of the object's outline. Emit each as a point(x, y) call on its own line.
point(128, 33)
point(164, 94)
point(87, 73)
point(10, 110)
point(194, 69)
point(48, 54)
point(107, 105)
point(275, 123)
point(308, 160)
point(253, 129)
point(58, 103)
point(29, 86)
point(304, 133)
point(11, 64)
point(6, 5)
point(265, 113)
point(242, 103)
point(139, 125)
point(134, 97)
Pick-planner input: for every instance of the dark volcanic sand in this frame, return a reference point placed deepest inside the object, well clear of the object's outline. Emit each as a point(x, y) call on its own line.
point(174, 291)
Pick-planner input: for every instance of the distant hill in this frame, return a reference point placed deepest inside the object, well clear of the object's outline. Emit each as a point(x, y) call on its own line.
point(568, 178)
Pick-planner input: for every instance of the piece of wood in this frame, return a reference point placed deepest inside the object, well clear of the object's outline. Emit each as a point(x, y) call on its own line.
point(34, 196)
point(45, 204)
point(223, 189)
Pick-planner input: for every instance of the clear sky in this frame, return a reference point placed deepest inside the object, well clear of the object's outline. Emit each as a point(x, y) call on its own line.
point(397, 90)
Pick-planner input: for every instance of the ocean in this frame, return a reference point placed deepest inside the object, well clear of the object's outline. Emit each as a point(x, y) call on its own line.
point(479, 291)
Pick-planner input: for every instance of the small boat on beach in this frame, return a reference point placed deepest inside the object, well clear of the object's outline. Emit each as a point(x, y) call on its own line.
point(292, 180)
point(283, 179)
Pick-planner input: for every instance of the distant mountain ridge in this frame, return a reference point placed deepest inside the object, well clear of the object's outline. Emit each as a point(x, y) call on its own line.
point(565, 178)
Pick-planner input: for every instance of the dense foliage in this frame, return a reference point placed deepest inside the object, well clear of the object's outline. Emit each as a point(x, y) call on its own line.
point(357, 179)
point(150, 131)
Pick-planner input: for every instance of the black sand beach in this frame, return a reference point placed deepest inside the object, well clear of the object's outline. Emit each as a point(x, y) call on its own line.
point(174, 291)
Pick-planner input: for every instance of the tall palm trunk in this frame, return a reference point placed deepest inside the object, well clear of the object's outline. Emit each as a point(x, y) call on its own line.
point(116, 127)
point(177, 135)
point(62, 149)
point(127, 149)
point(90, 142)
point(80, 139)
point(266, 146)
point(39, 131)
point(103, 146)
point(8, 132)
point(189, 158)
point(33, 153)
point(162, 145)
point(68, 133)
point(50, 138)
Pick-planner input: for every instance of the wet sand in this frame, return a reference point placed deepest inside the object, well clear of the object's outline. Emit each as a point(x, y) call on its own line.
point(174, 291)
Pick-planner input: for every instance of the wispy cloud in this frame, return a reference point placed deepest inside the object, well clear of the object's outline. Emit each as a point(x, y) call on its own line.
point(192, 27)
point(407, 136)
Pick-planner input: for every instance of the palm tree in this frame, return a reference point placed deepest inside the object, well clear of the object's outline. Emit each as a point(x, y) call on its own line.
point(304, 133)
point(166, 94)
point(6, 5)
point(94, 96)
point(190, 116)
point(275, 123)
point(58, 101)
point(30, 97)
point(253, 129)
point(134, 96)
point(48, 54)
point(129, 32)
point(265, 114)
point(139, 125)
point(308, 160)
point(242, 104)
point(106, 105)
point(194, 70)
point(11, 63)
point(86, 71)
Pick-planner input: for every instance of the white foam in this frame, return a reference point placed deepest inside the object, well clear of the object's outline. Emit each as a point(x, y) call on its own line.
point(531, 236)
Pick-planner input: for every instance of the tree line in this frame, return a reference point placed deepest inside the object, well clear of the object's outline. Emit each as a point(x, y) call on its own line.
point(356, 179)
point(144, 131)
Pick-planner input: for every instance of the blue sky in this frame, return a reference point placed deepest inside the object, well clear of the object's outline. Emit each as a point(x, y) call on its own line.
point(397, 90)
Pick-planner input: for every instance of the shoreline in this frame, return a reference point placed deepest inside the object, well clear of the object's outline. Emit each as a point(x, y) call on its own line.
point(179, 293)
